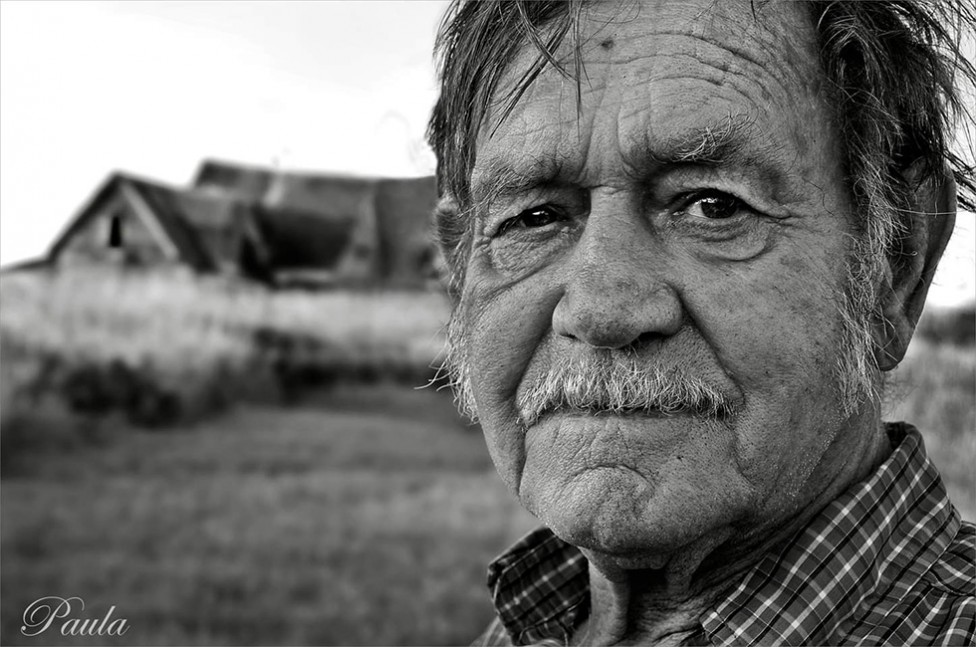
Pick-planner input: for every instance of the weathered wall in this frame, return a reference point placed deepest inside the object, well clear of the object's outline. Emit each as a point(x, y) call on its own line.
point(90, 242)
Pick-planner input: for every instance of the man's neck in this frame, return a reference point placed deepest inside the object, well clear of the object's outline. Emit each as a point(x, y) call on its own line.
point(664, 604)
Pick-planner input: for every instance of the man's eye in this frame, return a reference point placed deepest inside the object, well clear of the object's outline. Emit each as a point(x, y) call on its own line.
point(532, 219)
point(714, 206)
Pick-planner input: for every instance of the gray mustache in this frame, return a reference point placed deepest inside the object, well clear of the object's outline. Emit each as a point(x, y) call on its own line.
point(607, 383)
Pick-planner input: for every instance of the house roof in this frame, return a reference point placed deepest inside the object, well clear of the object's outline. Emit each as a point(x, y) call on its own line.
point(325, 196)
point(246, 182)
point(329, 196)
point(170, 209)
point(176, 212)
point(25, 265)
point(201, 209)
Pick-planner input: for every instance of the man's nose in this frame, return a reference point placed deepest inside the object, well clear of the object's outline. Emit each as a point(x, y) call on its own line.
point(615, 292)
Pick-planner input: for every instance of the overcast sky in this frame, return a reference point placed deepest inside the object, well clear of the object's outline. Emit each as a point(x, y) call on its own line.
point(153, 88)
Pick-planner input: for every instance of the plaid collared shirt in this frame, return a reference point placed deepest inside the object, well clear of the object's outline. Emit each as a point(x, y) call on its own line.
point(887, 563)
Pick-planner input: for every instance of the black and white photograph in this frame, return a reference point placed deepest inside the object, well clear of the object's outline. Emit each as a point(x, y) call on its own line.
point(488, 322)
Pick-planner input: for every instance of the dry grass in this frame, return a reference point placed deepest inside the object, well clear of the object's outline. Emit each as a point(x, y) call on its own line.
point(175, 347)
point(164, 319)
point(175, 320)
point(334, 523)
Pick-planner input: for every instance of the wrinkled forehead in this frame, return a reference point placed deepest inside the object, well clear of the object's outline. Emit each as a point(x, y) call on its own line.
point(766, 51)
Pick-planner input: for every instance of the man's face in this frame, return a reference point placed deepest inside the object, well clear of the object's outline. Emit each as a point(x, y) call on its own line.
point(687, 217)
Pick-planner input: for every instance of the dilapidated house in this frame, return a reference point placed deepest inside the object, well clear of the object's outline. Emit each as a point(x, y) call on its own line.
point(281, 228)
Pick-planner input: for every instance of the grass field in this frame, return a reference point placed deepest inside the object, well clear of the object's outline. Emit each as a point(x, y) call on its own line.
point(366, 517)
point(358, 514)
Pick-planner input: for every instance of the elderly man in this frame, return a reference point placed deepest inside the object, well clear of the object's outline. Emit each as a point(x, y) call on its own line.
point(686, 238)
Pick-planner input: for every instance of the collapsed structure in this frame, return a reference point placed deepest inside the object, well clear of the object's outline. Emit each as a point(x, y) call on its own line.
point(276, 227)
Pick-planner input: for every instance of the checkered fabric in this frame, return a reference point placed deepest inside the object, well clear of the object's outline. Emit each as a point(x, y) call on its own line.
point(887, 563)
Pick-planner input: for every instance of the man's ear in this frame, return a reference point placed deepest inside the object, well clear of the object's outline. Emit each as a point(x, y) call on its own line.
point(450, 229)
point(911, 266)
point(446, 222)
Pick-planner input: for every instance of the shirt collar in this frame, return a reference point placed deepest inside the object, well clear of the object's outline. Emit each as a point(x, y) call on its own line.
point(540, 588)
point(887, 528)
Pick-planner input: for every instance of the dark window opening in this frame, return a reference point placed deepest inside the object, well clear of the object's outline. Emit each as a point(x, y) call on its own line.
point(115, 231)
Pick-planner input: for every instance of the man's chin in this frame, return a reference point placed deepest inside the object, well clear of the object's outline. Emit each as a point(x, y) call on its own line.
point(625, 544)
point(614, 513)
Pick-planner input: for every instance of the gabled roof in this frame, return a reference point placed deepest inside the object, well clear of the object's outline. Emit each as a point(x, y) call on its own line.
point(170, 213)
point(168, 207)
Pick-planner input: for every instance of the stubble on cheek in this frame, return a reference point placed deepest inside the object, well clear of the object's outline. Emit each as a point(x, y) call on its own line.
point(479, 373)
point(496, 331)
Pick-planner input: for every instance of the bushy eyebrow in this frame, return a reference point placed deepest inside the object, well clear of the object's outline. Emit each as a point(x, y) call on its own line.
point(706, 145)
point(734, 142)
point(503, 179)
